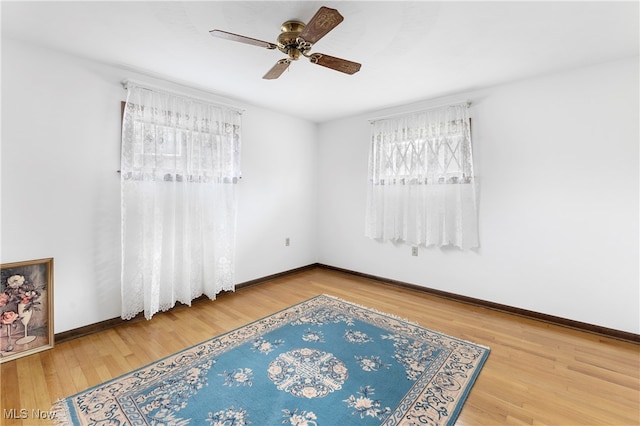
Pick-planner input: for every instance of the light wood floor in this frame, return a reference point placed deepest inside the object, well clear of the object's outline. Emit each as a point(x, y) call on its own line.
point(537, 373)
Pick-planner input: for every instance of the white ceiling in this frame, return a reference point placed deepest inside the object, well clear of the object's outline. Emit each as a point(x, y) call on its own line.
point(410, 51)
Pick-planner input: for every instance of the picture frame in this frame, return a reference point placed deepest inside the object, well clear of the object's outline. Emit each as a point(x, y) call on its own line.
point(26, 308)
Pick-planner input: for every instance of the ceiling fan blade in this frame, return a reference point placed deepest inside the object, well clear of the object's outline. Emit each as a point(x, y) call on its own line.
point(242, 39)
point(322, 22)
point(342, 65)
point(277, 70)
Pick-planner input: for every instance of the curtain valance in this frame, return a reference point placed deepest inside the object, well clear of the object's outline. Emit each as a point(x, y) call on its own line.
point(173, 137)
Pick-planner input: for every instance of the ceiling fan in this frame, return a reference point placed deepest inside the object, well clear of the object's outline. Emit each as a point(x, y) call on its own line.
point(296, 39)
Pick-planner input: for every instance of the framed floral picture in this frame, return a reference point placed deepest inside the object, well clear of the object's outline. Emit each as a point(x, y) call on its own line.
point(26, 308)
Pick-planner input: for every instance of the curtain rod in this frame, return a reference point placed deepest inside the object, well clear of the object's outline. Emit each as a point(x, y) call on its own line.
point(373, 120)
point(143, 85)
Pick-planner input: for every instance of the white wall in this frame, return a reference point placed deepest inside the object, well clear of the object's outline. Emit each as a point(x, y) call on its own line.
point(557, 165)
point(277, 195)
point(60, 189)
point(556, 158)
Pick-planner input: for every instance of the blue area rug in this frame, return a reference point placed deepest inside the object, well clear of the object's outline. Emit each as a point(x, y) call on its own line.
point(324, 362)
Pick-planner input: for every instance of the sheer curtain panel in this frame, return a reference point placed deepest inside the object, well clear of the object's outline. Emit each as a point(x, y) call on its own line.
point(179, 169)
point(421, 188)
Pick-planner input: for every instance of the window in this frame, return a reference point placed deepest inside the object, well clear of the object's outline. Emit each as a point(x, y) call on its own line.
point(180, 163)
point(421, 184)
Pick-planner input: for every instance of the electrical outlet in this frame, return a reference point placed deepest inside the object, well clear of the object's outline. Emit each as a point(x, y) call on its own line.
point(414, 251)
point(287, 242)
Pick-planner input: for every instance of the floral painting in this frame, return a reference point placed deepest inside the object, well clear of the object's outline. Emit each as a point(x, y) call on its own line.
point(26, 308)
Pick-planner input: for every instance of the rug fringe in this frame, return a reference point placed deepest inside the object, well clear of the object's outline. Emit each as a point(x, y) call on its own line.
point(61, 415)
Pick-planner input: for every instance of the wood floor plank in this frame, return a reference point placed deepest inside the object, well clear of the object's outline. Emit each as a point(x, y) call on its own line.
point(537, 373)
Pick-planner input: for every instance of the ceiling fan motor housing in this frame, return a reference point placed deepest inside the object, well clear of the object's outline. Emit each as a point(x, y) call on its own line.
point(288, 39)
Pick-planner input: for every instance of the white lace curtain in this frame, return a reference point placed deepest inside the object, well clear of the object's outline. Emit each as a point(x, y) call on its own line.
point(421, 188)
point(179, 168)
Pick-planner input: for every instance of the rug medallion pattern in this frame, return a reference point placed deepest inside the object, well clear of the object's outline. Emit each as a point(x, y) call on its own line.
point(324, 361)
